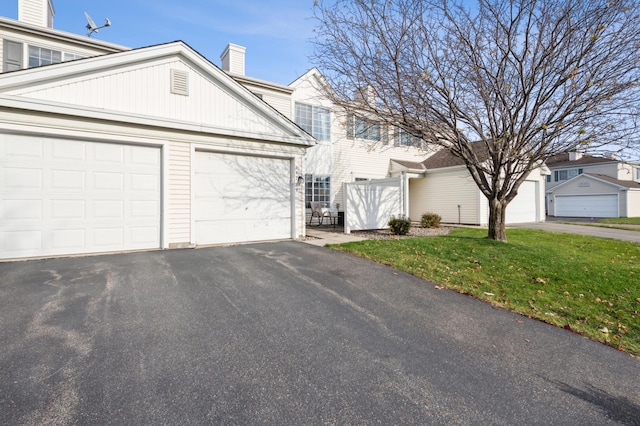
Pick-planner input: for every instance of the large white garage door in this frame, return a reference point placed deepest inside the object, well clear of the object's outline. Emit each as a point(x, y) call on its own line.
point(523, 208)
point(67, 197)
point(241, 198)
point(587, 205)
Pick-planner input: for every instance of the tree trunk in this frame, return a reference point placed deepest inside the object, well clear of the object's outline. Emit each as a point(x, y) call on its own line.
point(497, 226)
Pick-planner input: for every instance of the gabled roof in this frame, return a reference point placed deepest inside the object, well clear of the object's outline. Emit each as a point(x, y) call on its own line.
point(623, 183)
point(122, 84)
point(620, 184)
point(562, 160)
point(444, 158)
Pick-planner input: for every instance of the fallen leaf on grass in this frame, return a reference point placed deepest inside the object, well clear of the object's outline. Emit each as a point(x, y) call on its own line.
point(438, 287)
point(488, 294)
point(605, 330)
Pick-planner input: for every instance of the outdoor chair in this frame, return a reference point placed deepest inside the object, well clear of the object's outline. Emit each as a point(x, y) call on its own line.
point(317, 211)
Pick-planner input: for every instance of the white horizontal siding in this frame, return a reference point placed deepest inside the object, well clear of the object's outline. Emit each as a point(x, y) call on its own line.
point(32, 12)
point(179, 193)
point(281, 103)
point(441, 193)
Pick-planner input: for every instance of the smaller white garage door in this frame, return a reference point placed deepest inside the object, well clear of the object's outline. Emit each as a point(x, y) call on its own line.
point(524, 208)
point(62, 197)
point(586, 205)
point(241, 198)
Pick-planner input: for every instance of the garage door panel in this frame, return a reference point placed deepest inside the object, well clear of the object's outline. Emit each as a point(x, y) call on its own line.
point(523, 208)
point(217, 232)
point(22, 178)
point(68, 209)
point(67, 239)
point(62, 204)
point(241, 198)
point(28, 149)
point(108, 154)
point(68, 150)
point(604, 205)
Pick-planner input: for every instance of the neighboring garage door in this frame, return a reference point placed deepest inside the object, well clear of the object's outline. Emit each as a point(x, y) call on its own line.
point(586, 205)
point(241, 198)
point(67, 197)
point(523, 208)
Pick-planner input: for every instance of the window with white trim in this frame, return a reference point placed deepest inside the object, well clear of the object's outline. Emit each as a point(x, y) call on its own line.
point(560, 175)
point(39, 56)
point(363, 128)
point(404, 138)
point(314, 120)
point(318, 189)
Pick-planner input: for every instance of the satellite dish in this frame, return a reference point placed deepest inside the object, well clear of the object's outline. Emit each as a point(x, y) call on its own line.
point(92, 27)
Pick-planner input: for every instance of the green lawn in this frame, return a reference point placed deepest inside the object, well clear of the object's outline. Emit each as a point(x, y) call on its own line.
point(615, 223)
point(622, 220)
point(589, 285)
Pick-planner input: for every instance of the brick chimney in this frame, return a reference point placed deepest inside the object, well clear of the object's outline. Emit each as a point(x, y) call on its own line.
point(36, 12)
point(233, 59)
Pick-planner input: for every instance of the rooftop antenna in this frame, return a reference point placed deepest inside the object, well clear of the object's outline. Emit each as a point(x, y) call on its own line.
point(92, 27)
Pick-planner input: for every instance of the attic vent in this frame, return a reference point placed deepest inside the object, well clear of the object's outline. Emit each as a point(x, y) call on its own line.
point(179, 82)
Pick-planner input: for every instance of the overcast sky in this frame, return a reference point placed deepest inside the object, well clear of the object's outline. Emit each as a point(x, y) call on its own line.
point(276, 33)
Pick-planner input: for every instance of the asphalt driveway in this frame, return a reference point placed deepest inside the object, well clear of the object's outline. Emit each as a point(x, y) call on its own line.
point(284, 333)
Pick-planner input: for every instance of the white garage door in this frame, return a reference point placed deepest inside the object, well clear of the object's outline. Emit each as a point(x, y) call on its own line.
point(241, 198)
point(67, 197)
point(523, 208)
point(586, 205)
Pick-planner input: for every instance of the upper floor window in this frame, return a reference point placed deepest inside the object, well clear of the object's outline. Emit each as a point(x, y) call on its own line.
point(638, 173)
point(560, 175)
point(403, 138)
point(363, 128)
point(39, 56)
point(314, 120)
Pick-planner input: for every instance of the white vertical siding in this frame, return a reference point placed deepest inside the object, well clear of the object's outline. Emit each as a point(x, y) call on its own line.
point(145, 90)
point(179, 194)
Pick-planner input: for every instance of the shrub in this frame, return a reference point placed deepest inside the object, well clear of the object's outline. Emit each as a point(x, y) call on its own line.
point(399, 225)
point(430, 220)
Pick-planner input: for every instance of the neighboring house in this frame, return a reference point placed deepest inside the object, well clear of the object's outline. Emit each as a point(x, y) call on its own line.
point(137, 149)
point(587, 186)
point(442, 184)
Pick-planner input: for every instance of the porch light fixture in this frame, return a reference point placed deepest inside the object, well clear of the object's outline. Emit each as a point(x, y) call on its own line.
point(300, 180)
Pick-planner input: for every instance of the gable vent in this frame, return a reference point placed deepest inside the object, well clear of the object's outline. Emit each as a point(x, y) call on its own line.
point(179, 82)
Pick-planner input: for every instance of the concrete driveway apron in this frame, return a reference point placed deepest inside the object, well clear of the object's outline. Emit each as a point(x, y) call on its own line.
point(284, 333)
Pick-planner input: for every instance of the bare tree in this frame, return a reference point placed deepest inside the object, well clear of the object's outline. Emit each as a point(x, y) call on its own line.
point(515, 80)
